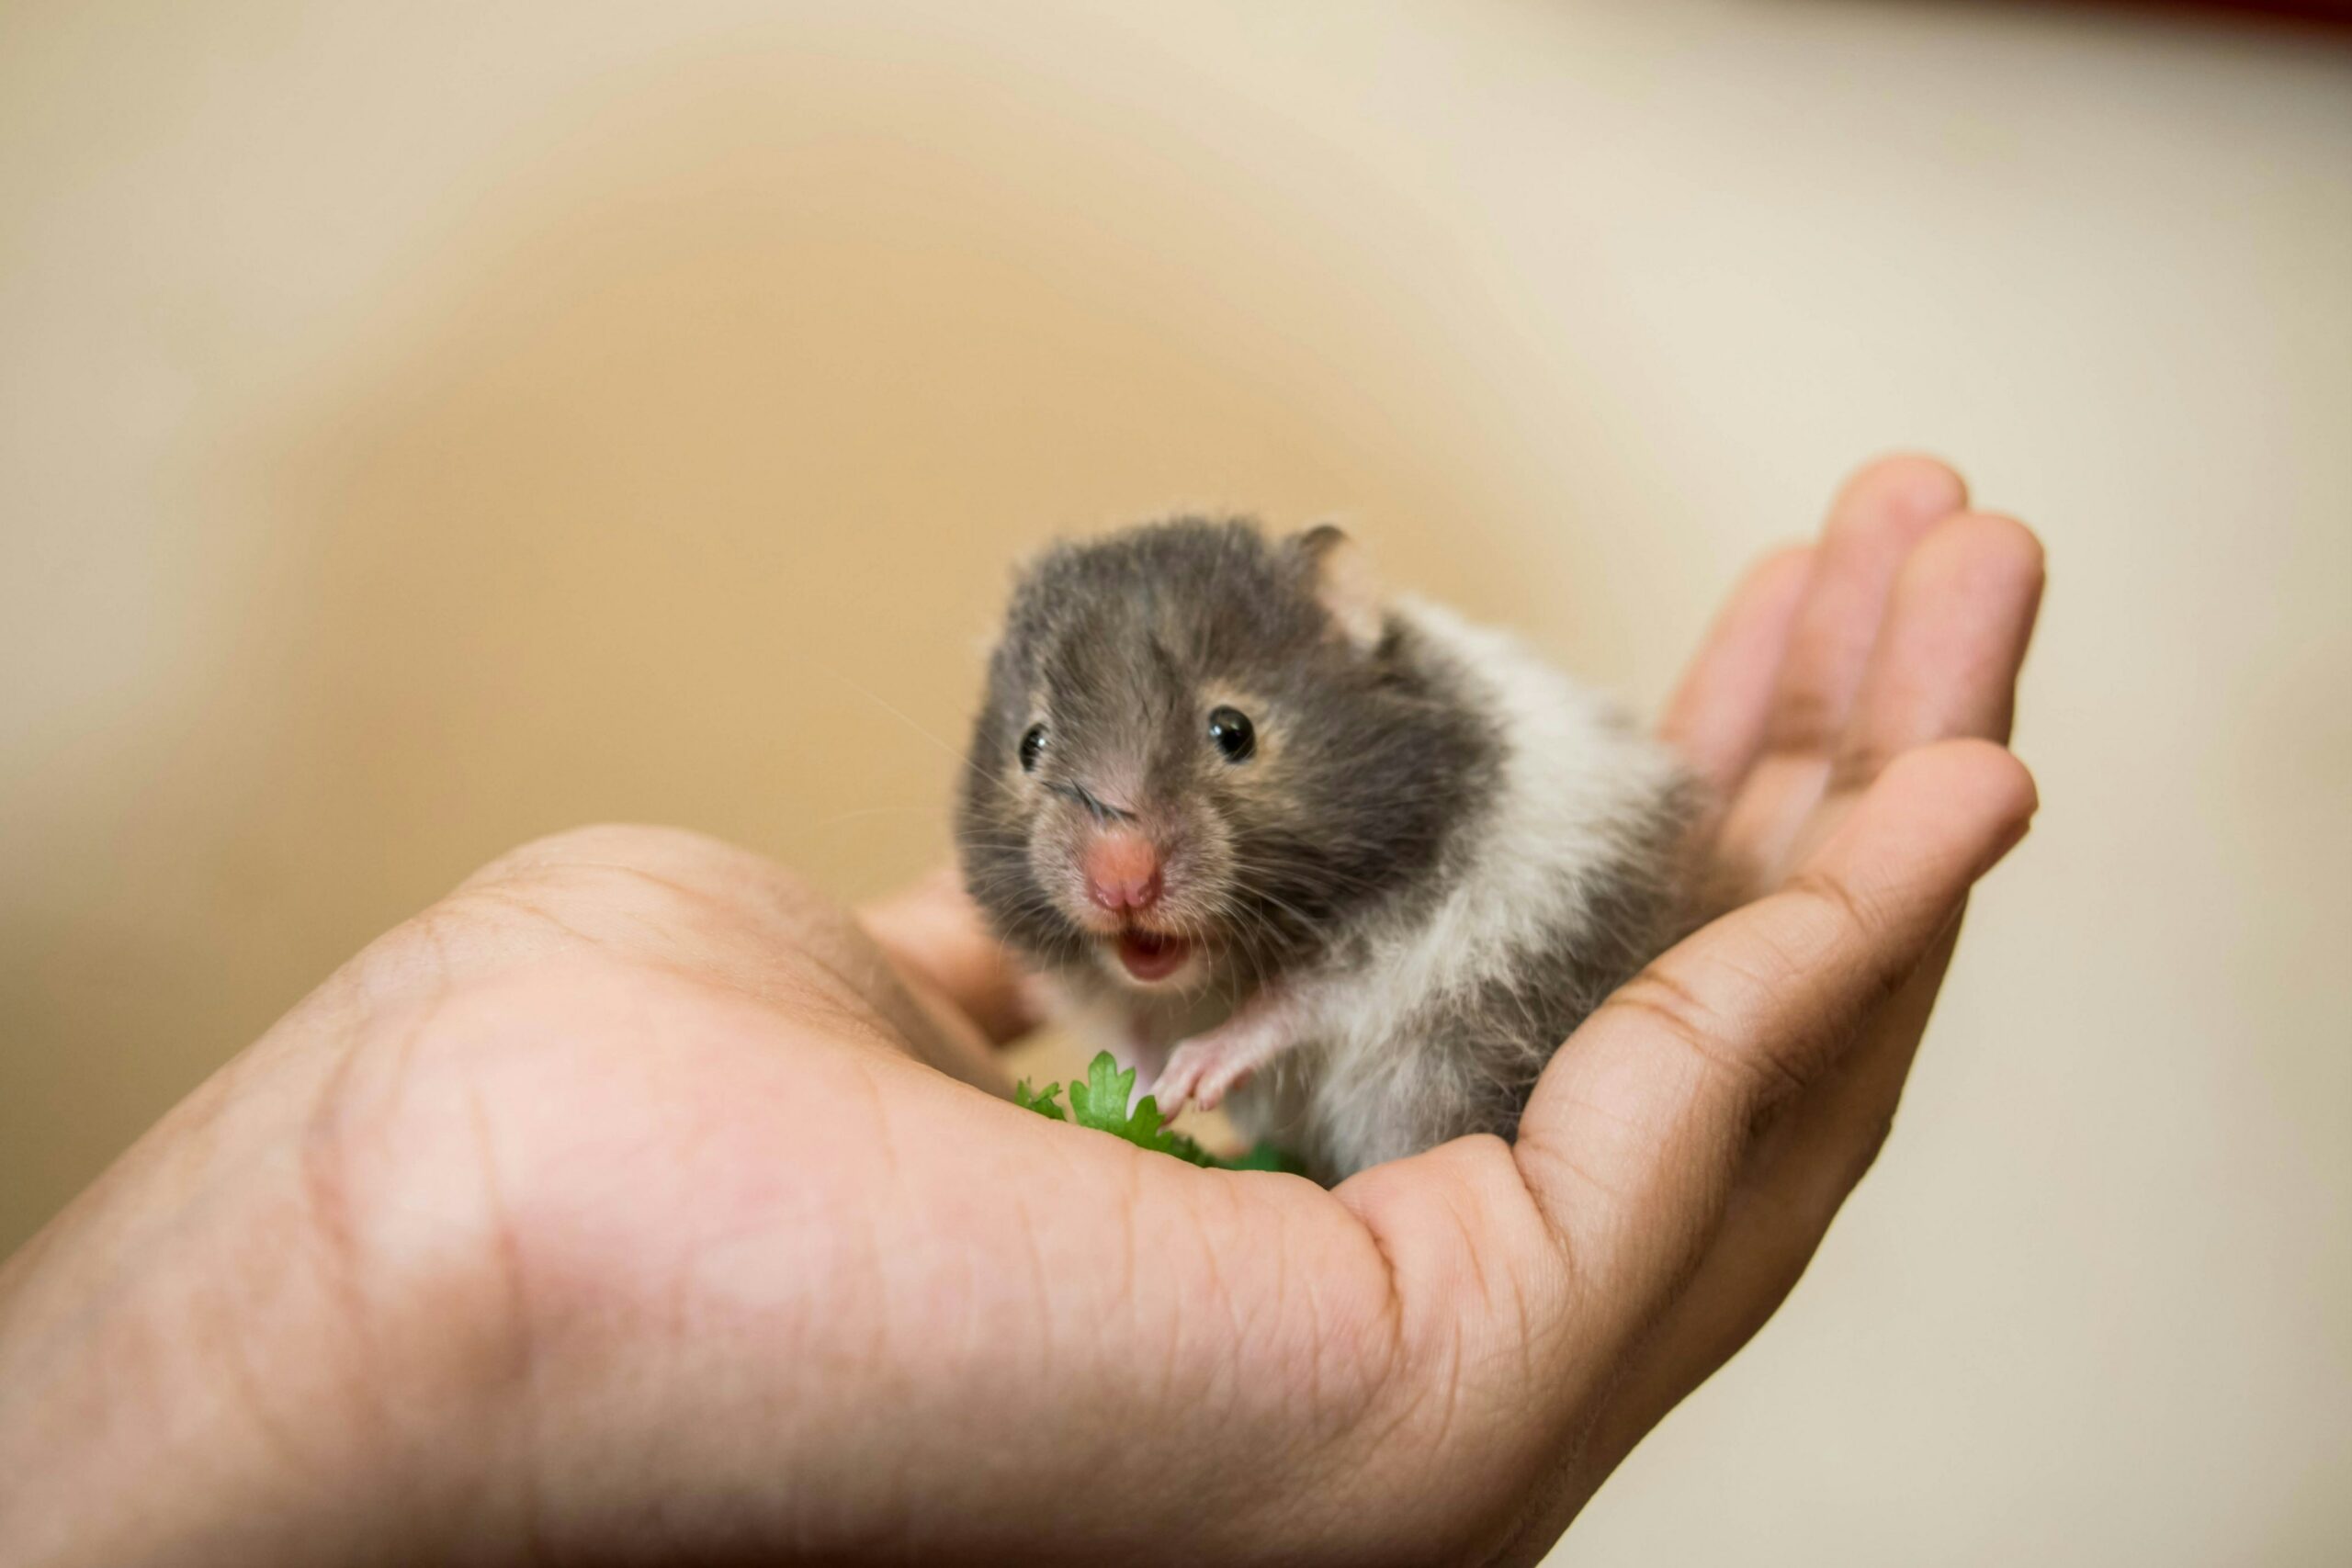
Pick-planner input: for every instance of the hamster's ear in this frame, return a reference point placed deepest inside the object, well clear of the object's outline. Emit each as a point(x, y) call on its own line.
point(1344, 582)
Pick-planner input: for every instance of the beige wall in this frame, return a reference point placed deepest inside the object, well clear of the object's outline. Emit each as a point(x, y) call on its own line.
point(421, 427)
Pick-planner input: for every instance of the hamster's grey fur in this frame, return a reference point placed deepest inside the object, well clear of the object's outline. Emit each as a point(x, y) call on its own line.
point(1441, 857)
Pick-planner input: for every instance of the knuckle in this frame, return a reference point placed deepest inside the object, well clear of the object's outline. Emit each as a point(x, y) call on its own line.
point(1859, 763)
point(1669, 1005)
point(1868, 1143)
point(1806, 720)
point(1859, 927)
point(1678, 1012)
point(1833, 895)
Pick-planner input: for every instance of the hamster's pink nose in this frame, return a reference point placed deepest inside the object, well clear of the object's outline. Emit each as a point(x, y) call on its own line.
point(1121, 871)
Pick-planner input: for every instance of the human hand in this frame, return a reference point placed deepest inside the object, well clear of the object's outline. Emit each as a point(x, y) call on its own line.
point(633, 1201)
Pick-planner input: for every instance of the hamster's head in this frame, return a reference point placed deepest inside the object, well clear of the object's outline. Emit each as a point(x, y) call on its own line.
point(1202, 752)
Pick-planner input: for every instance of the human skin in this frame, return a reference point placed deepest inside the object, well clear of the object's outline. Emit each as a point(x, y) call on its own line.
point(636, 1203)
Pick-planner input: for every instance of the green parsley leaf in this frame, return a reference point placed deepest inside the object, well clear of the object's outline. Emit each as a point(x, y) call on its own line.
point(1043, 1104)
point(1100, 1102)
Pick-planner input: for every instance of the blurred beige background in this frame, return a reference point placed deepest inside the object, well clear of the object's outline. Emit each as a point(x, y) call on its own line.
point(423, 427)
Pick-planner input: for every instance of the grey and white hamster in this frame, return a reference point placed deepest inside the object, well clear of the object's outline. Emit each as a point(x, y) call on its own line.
point(1273, 835)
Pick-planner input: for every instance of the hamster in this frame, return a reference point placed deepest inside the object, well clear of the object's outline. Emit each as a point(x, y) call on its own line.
point(1341, 860)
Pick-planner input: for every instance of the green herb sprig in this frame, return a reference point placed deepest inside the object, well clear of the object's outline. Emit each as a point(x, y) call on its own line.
point(1100, 1102)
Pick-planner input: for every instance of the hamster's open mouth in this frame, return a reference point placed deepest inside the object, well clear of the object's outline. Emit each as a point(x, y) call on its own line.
point(1149, 956)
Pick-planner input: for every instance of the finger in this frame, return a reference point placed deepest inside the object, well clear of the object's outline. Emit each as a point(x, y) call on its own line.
point(1882, 511)
point(1717, 715)
point(1768, 1234)
point(1636, 1133)
point(1955, 639)
point(1947, 669)
point(935, 935)
point(1774, 1221)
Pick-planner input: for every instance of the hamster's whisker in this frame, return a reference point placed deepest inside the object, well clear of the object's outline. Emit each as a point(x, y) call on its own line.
point(1259, 893)
point(903, 717)
point(1311, 871)
point(872, 811)
point(1256, 931)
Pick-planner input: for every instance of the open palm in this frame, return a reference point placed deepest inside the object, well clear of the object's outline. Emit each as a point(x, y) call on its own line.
point(634, 1202)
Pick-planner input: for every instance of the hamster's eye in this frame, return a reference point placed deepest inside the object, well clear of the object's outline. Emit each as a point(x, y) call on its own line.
point(1234, 734)
point(1033, 745)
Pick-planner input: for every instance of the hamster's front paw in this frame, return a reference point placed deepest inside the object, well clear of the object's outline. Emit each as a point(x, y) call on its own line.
point(1202, 1070)
point(1207, 1067)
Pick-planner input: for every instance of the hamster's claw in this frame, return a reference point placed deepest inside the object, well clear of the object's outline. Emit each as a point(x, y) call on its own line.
point(1179, 1078)
point(1207, 1067)
point(1203, 1071)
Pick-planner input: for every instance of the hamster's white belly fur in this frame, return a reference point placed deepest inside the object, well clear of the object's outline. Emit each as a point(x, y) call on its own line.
point(1568, 883)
